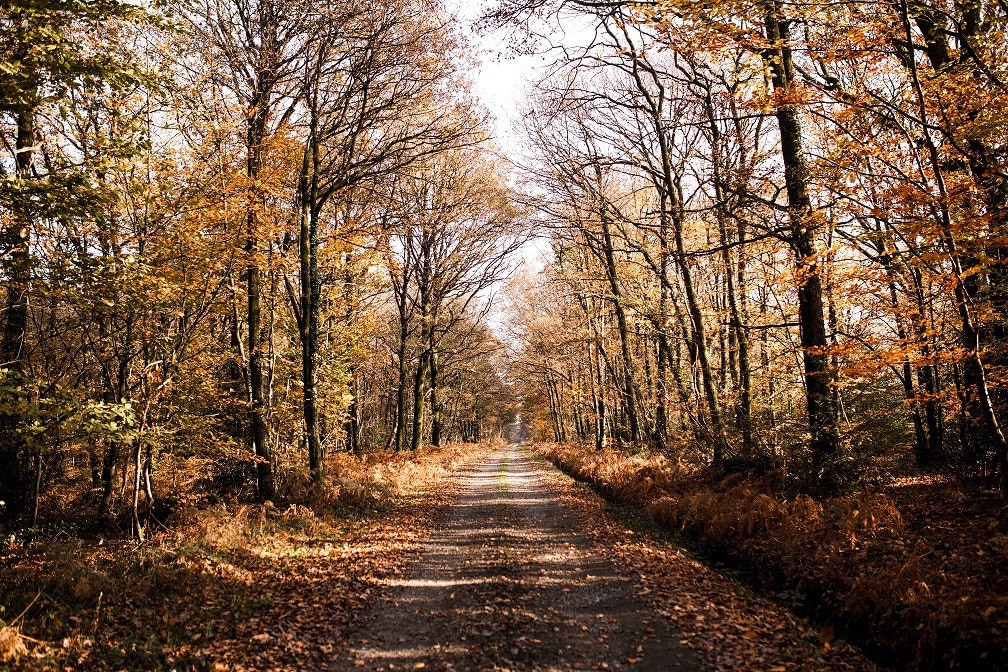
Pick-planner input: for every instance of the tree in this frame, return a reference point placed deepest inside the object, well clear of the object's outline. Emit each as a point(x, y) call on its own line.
point(877, 176)
point(369, 95)
point(43, 64)
point(454, 245)
point(257, 46)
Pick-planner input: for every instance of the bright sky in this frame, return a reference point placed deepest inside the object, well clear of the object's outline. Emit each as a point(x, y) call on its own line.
point(501, 79)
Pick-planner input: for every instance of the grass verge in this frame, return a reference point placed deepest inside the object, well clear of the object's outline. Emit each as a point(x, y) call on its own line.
point(913, 573)
point(232, 586)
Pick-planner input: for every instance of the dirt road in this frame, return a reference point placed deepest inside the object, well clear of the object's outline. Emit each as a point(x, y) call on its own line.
point(511, 582)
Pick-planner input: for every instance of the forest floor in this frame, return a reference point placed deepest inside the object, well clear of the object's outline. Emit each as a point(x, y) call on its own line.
point(230, 586)
point(531, 571)
point(497, 562)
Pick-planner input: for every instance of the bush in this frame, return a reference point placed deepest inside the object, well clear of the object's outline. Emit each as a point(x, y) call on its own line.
point(849, 560)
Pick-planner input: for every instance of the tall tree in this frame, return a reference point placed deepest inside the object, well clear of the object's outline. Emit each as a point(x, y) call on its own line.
point(370, 105)
point(257, 47)
point(44, 60)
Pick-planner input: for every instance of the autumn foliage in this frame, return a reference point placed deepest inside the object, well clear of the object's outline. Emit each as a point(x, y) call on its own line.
point(888, 569)
point(257, 255)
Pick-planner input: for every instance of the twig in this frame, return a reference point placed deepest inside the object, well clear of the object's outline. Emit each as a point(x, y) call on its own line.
point(30, 639)
point(97, 615)
point(21, 615)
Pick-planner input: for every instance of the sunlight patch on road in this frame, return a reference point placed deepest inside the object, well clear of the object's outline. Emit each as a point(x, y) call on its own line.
point(434, 583)
point(406, 653)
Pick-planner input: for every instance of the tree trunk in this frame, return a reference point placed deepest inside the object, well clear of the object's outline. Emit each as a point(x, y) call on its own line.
point(629, 370)
point(668, 184)
point(15, 458)
point(138, 530)
point(824, 438)
point(715, 431)
point(595, 378)
point(352, 426)
point(108, 482)
point(560, 412)
point(739, 332)
point(416, 438)
point(927, 375)
point(554, 415)
point(661, 373)
point(400, 420)
point(435, 401)
point(309, 310)
point(259, 431)
point(975, 374)
point(94, 466)
point(18, 262)
point(37, 489)
point(921, 443)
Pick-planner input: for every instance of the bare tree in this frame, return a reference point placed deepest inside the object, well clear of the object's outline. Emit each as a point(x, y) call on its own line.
point(370, 104)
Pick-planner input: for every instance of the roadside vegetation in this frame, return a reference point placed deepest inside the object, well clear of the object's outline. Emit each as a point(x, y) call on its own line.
point(225, 584)
point(911, 572)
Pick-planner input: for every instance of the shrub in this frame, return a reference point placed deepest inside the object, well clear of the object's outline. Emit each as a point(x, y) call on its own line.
point(851, 559)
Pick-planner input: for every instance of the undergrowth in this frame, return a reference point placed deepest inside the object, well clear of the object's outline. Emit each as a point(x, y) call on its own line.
point(79, 603)
point(927, 593)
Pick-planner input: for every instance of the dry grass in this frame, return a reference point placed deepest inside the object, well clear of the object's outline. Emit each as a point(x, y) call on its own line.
point(112, 605)
point(373, 480)
point(12, 644)
point(632, 479)
point(854, 562)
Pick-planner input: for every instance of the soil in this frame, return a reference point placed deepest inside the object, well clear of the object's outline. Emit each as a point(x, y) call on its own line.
point(530, 571)
point(511, 582)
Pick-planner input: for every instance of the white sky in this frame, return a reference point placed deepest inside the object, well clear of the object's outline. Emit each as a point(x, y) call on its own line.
point(502, 81)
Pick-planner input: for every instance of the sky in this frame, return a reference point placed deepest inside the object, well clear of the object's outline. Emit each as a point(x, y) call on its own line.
point(502, 81)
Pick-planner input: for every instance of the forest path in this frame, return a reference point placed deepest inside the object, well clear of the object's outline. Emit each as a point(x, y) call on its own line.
point(511, 582)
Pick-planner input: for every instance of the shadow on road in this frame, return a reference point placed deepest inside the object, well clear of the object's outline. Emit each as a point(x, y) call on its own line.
point(511, 581)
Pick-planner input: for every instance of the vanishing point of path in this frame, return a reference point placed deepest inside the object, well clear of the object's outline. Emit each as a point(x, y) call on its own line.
point(511, 582)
